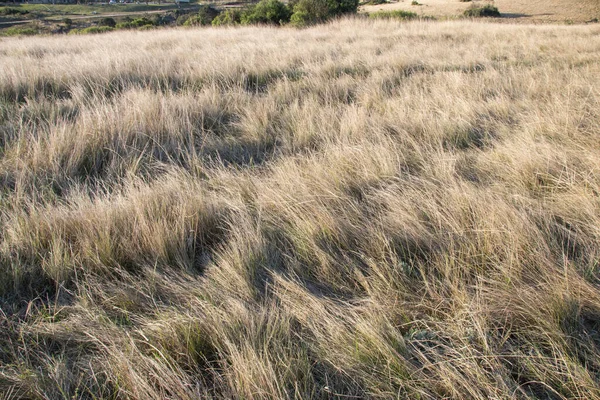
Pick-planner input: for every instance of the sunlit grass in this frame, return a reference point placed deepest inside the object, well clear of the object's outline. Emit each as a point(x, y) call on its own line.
point(364, 209)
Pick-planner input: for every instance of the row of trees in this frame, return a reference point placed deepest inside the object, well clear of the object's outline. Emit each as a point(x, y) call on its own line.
point(275, 12)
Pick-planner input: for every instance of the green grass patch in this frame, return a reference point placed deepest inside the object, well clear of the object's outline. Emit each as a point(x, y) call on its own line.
point(82, 9)
point(22, 30)
point(135, 23)
point(12, 11)
point(396, 14)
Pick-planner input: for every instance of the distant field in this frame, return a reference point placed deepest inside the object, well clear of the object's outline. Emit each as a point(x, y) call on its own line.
point(84, 9)
point(357, 210)
point(521, 11)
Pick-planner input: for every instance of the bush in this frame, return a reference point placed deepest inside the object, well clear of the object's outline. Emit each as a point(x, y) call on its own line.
point(183, 18)
point(163, 19)
point(485, 11)
point(107, 21)
point(91, 30)
point(13, 11)
point(308, 12)
point(205, 16)
point(396, 14)
point(228, 17)
point(267, 12)
point(415, 3)
point(68, 22)
point(20, 31)
point(136, 23)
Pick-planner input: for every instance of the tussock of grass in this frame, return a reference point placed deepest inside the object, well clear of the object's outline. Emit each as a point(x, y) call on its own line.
point(395, 14)
point(361, 209)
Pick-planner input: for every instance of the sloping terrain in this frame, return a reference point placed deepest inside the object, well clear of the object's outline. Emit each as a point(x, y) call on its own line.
point(513, 11)
point(356, 210)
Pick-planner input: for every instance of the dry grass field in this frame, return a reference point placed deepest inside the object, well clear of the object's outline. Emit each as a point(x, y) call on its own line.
point(513, 11)
point(363, 209)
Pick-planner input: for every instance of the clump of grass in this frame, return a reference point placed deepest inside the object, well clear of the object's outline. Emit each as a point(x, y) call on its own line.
point(395, 14)
point(485, 11)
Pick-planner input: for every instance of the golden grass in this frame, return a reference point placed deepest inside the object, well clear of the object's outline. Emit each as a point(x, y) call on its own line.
point(364, 209)
point(513, 11)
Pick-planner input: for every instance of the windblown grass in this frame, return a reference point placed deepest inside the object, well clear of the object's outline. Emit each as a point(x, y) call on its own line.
point(365, 209)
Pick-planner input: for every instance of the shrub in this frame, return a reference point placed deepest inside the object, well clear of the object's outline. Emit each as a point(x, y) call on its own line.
point(91, 30)
point(415, 3)
point(205, 16)
point(107, 21)
point(486, 11)
point(68, 22)
point(308, 12)
point(136, 23)
point(163, 19)
point(183, 18)
point(267, 12)
point(227, 17)
point(396, 14)
point(20, 31)
point(13, 11)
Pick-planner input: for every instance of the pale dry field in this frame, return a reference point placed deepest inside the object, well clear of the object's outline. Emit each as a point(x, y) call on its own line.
point(355, 210)
point(513, 11)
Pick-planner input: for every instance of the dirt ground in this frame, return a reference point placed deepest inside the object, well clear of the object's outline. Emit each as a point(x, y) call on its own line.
point(526, 11)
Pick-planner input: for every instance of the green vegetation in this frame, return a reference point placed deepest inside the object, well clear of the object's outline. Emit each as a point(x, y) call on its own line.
point(308, 12)
point(91, 30)
point(21, 30)
point(135, 23)
point(205, 16)
point(299, 12)
point(228, 17)
point(85, 9)
point(395, 14)
point(485, 11)
point(272, 12)
point(13, 11)
point(107, 21)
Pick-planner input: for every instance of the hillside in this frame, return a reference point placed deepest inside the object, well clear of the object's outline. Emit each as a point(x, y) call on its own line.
point(513, 11)
point(363, 209)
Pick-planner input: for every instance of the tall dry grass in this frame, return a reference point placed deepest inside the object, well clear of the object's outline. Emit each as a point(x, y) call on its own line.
point(357, 210)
